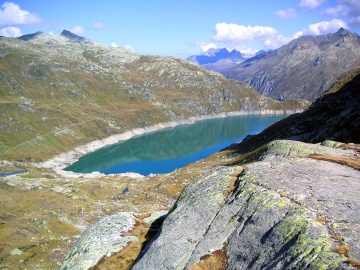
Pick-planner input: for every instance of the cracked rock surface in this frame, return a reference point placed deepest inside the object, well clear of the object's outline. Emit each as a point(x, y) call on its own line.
point(270, 219)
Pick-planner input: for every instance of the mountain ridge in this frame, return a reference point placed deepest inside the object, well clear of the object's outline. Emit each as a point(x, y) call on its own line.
point(285, 204)
point(218, 59)
point(283, 198)
point(303, 68)
point(62, 83)
point(263, 209)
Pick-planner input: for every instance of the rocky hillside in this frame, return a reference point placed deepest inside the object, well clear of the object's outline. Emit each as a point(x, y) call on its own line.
point(282, 204)
point(59, 92)
point(263, 203)
point(334, 116)
point(304, 68)
point(218, 59)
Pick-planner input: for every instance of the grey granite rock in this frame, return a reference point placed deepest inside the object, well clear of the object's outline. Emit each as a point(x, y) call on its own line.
point(99, 240)
point(270, 220)
point(187, 223)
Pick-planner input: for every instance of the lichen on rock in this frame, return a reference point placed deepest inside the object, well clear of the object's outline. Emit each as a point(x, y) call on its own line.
point(100, 240)
point(268, 221)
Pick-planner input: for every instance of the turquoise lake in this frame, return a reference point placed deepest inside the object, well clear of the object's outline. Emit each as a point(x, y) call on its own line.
point(165, 150)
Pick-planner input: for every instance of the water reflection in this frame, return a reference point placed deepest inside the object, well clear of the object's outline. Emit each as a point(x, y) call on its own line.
point(168, 149)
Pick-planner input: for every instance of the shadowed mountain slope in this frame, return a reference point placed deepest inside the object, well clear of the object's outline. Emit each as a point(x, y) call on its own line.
point(334, 116)
point(286, 205)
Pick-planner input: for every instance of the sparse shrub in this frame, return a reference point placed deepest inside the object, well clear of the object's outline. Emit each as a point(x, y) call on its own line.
point(353, 262)
point(342, 249)
point(322, 219)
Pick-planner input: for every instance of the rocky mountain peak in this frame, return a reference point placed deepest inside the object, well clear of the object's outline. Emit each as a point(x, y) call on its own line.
point(211, 52)
point(343, 31)
point(304, 68)
point(68, 34)
point(31, 36)
point(73, 37)
point(218, 59)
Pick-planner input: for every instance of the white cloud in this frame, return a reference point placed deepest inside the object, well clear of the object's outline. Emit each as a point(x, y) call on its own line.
point(286, 14)
point(129, 48)
point(11, 14)
point(233, 33)
point(10, 32)
point(346, 8)
point(205, 46)
point(323, 28)
point(298, 34)
point(99, 26)
point(355, 21)
point(337, 10)
point(246, 38)
point(310, 4)
point(114, 45)
point(276, 41)
point(246, 52)
point(78, 30)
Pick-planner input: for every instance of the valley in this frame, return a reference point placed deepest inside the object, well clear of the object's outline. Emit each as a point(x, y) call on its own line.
point(65, 96)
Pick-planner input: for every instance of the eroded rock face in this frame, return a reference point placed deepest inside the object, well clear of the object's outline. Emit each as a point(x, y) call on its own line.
point(271, 218)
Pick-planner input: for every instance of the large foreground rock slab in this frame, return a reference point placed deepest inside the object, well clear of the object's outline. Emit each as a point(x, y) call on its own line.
point(188, 222)
point(286, 211)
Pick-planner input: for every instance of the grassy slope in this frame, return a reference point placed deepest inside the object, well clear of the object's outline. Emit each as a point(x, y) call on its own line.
point(54, 98)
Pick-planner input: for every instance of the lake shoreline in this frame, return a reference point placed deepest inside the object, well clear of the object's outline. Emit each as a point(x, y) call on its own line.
point(63, 160)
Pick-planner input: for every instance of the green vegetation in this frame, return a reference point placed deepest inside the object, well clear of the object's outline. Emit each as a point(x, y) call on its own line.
point(54, 98)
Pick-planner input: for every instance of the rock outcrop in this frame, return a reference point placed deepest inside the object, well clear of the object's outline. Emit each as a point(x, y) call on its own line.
point(304, 68)
point(100, 240)
point(280, 214)
point(293, 205)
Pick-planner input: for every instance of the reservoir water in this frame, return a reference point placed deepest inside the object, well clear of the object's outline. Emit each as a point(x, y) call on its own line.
point(165, 150)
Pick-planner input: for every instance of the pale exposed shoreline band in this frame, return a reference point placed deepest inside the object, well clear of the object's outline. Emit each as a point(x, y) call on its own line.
point(63, 160)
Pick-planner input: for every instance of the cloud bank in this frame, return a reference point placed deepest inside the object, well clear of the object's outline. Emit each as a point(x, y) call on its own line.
point(347, 8)
point(235, 36)
point(325, 27)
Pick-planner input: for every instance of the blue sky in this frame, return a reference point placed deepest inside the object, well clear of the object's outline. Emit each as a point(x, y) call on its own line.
point(182, 28)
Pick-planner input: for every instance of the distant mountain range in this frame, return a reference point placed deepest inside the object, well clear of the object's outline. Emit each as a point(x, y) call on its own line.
point(304, 68)
point(65, 36)
point(218, 59)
